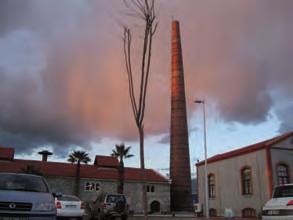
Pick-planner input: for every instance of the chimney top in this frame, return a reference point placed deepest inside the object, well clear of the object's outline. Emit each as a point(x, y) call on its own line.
point(45, 154)
point(6, 153)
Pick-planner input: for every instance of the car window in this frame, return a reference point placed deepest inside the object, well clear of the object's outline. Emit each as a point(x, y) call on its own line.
point(283, 191)
point(115, 198)
point(68, 198)
point(22, 183)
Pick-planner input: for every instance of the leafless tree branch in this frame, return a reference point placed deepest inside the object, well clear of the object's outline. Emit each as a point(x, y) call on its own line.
point(144, 9)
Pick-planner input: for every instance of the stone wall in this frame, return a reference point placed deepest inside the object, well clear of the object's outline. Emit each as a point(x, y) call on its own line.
point(132, 190)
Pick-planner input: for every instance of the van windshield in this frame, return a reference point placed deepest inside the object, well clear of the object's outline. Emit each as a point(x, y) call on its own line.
point(21, 182)
point(283, 191)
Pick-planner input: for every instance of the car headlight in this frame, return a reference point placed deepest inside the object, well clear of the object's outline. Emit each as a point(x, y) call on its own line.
point(44, 206)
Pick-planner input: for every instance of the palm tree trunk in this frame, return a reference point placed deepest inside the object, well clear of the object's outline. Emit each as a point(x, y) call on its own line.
point(120, 187)
point(77, 179)
point(144, 193)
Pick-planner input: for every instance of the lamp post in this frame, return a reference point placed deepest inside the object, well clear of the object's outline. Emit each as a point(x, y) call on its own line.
point(205, 156)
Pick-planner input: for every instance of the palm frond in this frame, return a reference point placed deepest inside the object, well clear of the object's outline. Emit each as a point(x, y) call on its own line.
point(121, 151)
point(79, 156)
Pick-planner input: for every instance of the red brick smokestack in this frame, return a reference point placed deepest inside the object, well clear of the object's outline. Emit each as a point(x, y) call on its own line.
point(179, 154)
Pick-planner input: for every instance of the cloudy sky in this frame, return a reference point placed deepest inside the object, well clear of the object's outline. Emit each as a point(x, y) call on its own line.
point(63, 84)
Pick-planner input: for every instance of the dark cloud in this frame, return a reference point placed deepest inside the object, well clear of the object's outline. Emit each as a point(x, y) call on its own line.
point(62, 77)
point(13, 14)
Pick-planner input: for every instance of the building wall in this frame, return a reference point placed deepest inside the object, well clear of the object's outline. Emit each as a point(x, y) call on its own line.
point(132, 190)
point(282, 153)
point(228, 183)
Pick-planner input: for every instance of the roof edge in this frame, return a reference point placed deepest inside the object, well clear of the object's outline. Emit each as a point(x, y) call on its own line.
point(246, 150)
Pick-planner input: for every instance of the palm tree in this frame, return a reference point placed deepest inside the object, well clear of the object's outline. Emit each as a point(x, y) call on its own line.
point(121, 152)
point(78, 157)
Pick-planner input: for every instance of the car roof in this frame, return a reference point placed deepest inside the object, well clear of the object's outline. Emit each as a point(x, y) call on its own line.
point(114, 194)
point(20, 174)
point(68, 195)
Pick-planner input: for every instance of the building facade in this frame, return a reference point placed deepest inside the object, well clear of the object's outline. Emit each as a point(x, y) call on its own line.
point(102, 176)
point(241, 181)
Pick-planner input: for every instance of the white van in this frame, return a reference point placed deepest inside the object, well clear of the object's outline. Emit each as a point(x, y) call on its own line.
point(25, 197)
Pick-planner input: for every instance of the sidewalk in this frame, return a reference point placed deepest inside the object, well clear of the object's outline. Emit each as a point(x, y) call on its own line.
point(184, 216)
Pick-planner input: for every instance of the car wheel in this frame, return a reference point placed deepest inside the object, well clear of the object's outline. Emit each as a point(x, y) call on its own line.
point(91, 215)
point(110, 217)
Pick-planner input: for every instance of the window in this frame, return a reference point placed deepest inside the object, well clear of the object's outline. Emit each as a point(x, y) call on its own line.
point(150, 188)
point(90, 186)
point(97, 186)
point(22, 182)
point(283, 174)
point(246, 181)
point(248, 213)
point(213, 212)
point(211, 186)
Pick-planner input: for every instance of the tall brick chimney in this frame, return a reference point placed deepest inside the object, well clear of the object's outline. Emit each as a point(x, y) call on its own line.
point(179, 153)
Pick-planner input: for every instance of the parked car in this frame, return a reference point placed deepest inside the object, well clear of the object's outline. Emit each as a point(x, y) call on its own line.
point(25, 197)
point(108, 206)
point(280, 207)
point(69, 206)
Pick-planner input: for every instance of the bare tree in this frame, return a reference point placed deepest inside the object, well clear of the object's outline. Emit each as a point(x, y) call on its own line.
point(145, 11)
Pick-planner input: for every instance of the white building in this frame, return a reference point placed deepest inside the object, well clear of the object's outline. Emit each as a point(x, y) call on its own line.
point(243, 179)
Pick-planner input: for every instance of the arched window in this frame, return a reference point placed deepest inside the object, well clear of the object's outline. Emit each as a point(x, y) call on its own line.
point(155, 206)
point(283, 174)
point(212, 186)
point(248, 213)
point(246, 181)
point(213, 212)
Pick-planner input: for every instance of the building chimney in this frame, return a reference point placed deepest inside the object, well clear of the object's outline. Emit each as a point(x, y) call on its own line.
point(179, 153)
point(6, 153)
point(45, 154)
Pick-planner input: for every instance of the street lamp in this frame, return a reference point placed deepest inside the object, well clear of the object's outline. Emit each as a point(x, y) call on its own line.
point(205, 156)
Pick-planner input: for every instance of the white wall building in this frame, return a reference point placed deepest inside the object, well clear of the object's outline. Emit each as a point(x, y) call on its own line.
point(243, 179)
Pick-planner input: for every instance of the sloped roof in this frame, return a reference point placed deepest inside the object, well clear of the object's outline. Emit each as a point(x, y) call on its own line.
point(87, 171)
point(248, 149)
point(6, 153)
point(106, 161)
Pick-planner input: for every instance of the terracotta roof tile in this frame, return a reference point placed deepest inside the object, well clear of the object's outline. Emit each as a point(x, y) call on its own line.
point(87, 171)
point(106, 161)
